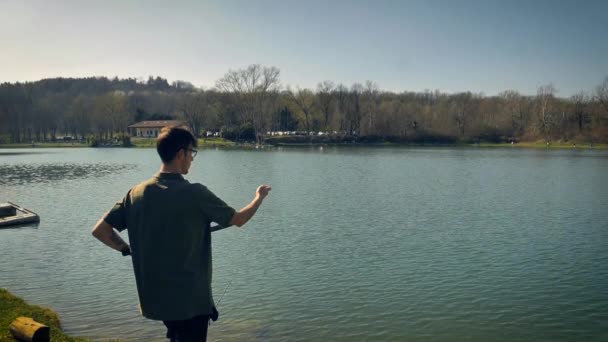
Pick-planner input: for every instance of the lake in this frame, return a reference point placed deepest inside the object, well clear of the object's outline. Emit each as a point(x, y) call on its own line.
point(353, 244)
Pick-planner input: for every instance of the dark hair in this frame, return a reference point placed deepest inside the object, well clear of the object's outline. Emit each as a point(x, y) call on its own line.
point(172, 139)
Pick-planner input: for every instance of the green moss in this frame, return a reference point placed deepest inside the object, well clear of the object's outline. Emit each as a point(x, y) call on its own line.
point(210, 142)
point(44, 145)
point(285, 141)
point(12, 307)
point(544, 145)
point(202, 143)
point(142, 142)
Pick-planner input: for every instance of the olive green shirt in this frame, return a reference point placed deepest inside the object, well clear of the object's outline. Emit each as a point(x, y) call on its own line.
point(168, 221)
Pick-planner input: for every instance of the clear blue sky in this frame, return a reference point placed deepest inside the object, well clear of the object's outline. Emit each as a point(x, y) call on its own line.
point(480, 46)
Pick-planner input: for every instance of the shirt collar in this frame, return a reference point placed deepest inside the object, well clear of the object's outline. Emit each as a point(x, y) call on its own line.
point(167, 175)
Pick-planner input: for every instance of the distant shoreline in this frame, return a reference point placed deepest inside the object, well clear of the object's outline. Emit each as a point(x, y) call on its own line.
point(526, 145)
point(229, 144)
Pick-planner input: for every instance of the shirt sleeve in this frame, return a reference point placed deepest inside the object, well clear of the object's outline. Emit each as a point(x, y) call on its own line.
point(214, 208)
point(117, 216)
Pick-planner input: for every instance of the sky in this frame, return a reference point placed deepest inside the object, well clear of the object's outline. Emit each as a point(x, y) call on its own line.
point(452, 45)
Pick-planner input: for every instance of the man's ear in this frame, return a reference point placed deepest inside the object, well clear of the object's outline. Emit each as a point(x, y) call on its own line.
point(180, 153)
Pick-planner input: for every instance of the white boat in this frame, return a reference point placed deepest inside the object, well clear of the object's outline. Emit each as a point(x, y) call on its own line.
point(12, 215)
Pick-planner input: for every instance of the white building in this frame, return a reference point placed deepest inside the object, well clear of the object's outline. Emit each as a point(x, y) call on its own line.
point(151, 129)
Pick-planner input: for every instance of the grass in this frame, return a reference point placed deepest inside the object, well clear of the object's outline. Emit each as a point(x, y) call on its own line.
point(44, 145)
point(337, 141)
point(202, 143)
point(220, 142)
point(136, 142)
point(12, 307)
point(540, 144)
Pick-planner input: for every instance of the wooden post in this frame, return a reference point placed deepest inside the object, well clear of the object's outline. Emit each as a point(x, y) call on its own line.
point(26, 329)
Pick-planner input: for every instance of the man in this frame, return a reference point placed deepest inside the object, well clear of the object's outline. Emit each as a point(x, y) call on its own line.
point(169, 225)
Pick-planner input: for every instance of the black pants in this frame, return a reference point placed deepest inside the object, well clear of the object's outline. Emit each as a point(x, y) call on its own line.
point(188, 330)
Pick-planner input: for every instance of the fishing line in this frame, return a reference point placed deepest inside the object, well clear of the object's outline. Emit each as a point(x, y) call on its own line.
point(215, 228)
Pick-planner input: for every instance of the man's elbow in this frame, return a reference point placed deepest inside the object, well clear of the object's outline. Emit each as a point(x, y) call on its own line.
point(238, 220)
point(96, 232)
point(101, 229)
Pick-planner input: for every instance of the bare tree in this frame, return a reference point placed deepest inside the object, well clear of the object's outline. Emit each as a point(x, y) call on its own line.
point(462, 104)
point(341, 96)
point(192, 108)
point(510, 100)
point(111, 114)
point(253, 88)
point(15, 106)
point(544, 110)
point(602, 93)
point(524, 107)
point(371, 100)
point(303, 100)
point(580, 103)
point(79, 114)
point(353, 114)
point(326, 98)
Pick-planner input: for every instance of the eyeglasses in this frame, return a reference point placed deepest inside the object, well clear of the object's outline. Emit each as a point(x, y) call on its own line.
point(194, 152)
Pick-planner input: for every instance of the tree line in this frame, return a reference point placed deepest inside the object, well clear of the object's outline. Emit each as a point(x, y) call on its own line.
point(247, 103)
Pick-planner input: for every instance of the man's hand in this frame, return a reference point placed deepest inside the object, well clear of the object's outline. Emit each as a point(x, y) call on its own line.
point(263, 191)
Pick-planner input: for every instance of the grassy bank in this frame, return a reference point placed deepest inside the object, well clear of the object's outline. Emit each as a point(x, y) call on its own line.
point(555, 145)
point(12, 307)
point(135, 142)
point(485, 145)
point(44, 145)
point(202, 143)
point(365, 141)
point(220, 142)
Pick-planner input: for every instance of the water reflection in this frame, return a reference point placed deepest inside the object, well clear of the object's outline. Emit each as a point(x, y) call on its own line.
point(491, 243)
point(20, 153)
point(33, 225)
point(19, 174)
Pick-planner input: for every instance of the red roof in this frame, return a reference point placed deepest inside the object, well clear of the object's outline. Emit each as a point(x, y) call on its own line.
point(157, 124)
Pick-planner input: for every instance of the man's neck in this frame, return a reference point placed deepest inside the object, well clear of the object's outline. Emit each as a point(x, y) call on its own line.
point(169, 168)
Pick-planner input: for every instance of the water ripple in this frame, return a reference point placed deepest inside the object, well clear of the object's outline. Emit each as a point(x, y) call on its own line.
point(394, 245)
point(22, 174)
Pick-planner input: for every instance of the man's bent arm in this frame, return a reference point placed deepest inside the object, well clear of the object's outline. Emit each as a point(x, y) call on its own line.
point(242, 216)
point(104, 232)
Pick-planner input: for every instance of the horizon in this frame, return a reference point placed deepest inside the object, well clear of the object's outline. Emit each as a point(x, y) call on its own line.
point(144, 80)
point(484, 47)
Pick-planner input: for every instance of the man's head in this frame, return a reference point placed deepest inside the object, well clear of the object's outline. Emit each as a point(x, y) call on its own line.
point(175, 146)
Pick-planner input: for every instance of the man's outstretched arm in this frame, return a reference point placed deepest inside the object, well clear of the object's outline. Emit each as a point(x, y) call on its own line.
point(104, 232)
point(242, 216)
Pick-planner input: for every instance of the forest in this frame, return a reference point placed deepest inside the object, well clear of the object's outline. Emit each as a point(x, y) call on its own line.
point(249, 103)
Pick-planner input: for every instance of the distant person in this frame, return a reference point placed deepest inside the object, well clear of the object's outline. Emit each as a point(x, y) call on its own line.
point(169, 224)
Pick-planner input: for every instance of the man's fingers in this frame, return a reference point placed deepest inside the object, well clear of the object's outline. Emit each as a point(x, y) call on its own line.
point(264, 189)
